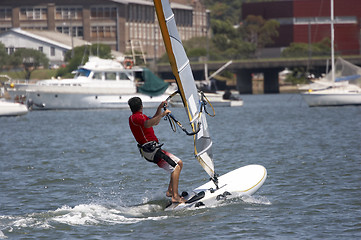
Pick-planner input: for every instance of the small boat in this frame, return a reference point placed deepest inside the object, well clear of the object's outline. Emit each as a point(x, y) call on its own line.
point(340, 87)
point(341, 90)
point(8, 109)
point(99, 84)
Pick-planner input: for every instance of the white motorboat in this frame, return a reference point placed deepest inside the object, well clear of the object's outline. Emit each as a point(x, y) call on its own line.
point(8, 108)
point(100, 83)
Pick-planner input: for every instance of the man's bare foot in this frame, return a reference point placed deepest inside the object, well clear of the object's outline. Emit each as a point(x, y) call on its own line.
point(168, 194)
point(178, 200)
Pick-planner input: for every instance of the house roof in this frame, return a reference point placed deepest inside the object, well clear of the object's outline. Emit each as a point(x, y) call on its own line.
point(55, 38)
point(51, 37)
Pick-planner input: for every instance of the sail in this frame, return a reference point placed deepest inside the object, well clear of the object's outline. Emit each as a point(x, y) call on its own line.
point(345, 71)
point(186, 86)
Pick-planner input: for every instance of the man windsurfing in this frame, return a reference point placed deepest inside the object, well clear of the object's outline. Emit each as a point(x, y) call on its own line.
point(149, 147)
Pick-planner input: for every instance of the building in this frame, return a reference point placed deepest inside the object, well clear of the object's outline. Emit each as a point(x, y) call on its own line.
point(308, 21)
point(53, 44)
point(118, 23)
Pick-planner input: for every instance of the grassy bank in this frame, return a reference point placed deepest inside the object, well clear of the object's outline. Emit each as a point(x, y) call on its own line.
point(36, 75)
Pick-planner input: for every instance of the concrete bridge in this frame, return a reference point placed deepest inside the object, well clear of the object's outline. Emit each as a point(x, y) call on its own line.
point(270, 68)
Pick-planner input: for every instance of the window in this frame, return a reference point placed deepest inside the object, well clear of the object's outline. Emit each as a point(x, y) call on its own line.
point(68, 13)
point(140, 13)
point(41, 49)
point(103, 32)
point(52, 51)
point(5, 13)
point(4, 29)
point(123, 76)
point(37, 13)
point(183, 17)
point(97, 76)
point(77, 31)
point(110, 76)
point(83, 72)
point(107, 32)
point(103, 12)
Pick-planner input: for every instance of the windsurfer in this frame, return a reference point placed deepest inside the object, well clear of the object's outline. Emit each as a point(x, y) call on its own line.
point(149, 147)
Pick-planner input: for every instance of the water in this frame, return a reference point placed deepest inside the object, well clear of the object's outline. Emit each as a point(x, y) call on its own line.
point(78, 175)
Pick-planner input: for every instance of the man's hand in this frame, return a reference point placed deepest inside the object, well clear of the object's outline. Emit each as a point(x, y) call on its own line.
point(166, 112)
point(163, 104)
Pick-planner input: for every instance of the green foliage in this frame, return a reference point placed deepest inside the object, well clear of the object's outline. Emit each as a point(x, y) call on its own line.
point(230, 39)
point(100, 50)
point(81, 56)
point(229, 42)
point(196, 52)
point(3, 55)
point(28, 59)
point(35, 75)
point(258, 31)
point(226, 10)
point(298, 76)
point(321, 48)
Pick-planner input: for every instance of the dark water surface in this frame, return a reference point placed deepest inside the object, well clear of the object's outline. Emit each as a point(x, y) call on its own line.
point(78, 175)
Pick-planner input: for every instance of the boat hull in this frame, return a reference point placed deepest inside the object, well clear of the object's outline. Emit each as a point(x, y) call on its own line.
point(8, 109)
point(66, 101)
point(331, 99)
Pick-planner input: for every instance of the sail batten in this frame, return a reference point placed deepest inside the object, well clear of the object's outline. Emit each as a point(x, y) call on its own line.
point(205, 150)
point(186, 85)
point(169, 18)
point(183, 67)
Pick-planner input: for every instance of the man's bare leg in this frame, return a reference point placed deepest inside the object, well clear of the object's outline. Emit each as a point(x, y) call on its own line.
point(174, 181)
point(169, 192)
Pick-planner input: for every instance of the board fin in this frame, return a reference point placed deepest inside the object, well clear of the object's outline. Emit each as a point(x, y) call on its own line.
point(196, 197)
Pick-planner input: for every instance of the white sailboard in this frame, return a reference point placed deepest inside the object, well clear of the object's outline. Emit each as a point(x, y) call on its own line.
point(245, 180)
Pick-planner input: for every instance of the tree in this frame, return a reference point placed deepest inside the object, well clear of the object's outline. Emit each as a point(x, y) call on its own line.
point(81, 56)
point(29, 59)
point(3, 55)
point(321, 48)
point(226, 10)
point(258, 31)
point(228, 43)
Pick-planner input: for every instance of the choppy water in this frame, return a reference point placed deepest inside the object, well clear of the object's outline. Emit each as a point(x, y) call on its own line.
point(78, 175)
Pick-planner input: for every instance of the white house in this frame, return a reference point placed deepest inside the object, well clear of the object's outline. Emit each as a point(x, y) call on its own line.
point(53, 44)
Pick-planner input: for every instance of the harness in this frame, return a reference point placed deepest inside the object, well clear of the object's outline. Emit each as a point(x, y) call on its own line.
point(152, 152)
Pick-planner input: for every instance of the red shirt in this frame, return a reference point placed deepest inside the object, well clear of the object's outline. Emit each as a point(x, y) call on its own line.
point(141, 133)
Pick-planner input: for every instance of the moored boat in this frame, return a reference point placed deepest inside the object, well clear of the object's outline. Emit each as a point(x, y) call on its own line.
point(100, 83)
point(8, 109)
point(341, 90)
point(341, 86)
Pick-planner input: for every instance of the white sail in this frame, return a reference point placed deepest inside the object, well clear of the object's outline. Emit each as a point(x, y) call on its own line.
point(186, 85)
